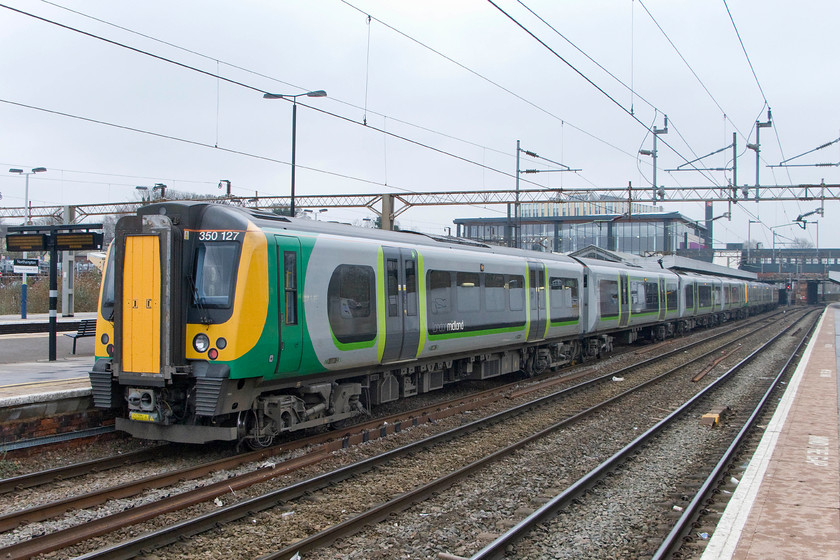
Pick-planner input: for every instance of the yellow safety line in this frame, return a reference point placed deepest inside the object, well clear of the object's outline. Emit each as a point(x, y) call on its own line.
point(31, 383)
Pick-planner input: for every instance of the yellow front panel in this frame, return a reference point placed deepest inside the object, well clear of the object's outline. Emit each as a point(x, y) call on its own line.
point(141, 304)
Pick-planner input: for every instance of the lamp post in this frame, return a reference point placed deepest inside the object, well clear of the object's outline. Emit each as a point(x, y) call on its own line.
point(775, 235)
point(317, 93)
point(749, 224)
point(316, 213)
point(28, 220)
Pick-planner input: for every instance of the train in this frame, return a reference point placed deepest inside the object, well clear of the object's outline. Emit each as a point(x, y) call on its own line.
point(223, 323)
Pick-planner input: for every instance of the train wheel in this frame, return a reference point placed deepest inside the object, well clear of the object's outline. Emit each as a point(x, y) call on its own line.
point(250, 428)
point(340, 424)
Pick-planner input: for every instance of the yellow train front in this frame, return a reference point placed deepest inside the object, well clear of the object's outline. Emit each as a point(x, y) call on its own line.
point(182, 337)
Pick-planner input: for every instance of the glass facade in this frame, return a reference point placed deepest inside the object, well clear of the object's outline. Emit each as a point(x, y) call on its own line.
point(644, 234)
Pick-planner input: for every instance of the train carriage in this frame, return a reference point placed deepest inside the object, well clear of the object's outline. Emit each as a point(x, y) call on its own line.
point(220, 323)
point(627, 298)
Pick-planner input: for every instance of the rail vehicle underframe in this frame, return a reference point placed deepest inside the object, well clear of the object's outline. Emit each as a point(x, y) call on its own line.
point(281, 411)
point(276, 412)
point(199, 403)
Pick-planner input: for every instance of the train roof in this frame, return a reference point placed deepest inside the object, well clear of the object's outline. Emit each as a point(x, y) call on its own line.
point(269, 220)
point(671, 262)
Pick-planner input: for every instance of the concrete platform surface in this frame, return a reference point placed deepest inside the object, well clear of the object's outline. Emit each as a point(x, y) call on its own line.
point(787, 504)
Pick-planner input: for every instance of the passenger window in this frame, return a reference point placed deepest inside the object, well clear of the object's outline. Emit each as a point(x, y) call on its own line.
point(468, 291)
point(564, 293)
point(351, 306)
point(608, 290)
point(689, 296)
point(704, 296)
point(564, 298)
point(494, 292)
point(440, 287)
point(516, 292)
point(650, 300)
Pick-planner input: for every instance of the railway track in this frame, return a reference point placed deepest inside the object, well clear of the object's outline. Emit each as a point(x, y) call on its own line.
point(497, 548)
point(636, 451)
point(65, 472)
point(57, 540)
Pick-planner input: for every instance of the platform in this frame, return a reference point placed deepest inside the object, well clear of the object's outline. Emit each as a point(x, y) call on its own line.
point(32, 386)
point(787, 504)
point(40, 322)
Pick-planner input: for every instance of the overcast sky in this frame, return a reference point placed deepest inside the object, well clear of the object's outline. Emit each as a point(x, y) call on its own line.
point(457, 75)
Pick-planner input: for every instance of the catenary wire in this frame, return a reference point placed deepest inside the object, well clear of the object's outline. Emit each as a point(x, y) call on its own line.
point(589, 80)
point(364, 108)
point(745, 51)
point(630, 88)
point(254, 88)
point(486, 79)
point(206, 145)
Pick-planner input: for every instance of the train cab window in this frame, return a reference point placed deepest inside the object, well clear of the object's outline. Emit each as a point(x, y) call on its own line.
point(468, 291)
point(107, 305)
point(350, 304)
point(516, 292)
point(494, 292)
point(215, 266)
point(440, 288)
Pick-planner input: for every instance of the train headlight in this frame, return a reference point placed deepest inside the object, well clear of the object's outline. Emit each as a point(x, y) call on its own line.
point(201, 343)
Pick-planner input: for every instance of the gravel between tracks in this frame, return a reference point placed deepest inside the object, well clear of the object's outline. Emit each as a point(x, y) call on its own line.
point(309, 515)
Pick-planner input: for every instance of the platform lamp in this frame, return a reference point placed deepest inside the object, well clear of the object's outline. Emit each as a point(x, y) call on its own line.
point(28, 220)
point(316, 93)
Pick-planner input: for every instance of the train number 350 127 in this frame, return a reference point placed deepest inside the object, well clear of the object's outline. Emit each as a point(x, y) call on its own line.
point(218, 235)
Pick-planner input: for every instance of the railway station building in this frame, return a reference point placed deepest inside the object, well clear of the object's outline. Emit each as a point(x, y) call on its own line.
point(611, 224)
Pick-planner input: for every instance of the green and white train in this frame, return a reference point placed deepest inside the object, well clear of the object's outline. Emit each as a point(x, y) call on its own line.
point(222, 323)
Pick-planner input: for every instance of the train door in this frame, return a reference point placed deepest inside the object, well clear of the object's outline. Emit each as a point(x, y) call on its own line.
point(289, 292)
point(623, 299)
point(141, 304)
point(145, 272)
point(663, 301)
point(402, 320)
point(536, 292)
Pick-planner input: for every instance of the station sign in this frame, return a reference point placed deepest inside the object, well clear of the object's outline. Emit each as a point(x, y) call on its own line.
point(77, 241)
point(26, 266)
point(19, 242)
